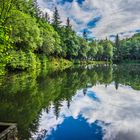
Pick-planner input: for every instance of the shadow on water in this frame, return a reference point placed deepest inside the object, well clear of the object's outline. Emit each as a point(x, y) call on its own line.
point(24, 97)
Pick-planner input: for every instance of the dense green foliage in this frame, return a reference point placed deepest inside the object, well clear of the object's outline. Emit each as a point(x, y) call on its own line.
point(127, 49)
point(26, 34)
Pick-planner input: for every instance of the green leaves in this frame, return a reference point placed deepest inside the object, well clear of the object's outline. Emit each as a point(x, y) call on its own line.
point(56, 20)
point(51, 40)
point(128, 49)
point(23, 26)
point(26, 33)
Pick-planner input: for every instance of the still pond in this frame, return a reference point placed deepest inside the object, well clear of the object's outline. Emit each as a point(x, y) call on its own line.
point(79, 103)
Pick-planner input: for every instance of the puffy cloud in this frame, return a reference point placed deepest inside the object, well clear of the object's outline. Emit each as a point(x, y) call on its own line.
point(117, 16)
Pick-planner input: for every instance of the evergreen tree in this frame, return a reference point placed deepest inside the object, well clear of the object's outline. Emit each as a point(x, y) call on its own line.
point(37, 9)
point(85, 35)
point(47, 17)
point(117, 53)
point(117, 41)
point(68, 23)
point(31, 8)
point(56, 20)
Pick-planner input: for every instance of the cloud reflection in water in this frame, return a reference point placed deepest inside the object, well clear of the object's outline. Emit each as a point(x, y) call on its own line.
point(114, 113)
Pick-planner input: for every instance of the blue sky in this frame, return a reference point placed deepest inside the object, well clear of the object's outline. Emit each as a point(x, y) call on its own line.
point(101, 18)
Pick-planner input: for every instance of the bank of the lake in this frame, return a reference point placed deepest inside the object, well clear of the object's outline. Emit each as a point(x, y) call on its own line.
point(34, 63)
point(28, 61)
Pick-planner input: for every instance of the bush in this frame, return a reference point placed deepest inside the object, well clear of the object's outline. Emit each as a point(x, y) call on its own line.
point(23, 61)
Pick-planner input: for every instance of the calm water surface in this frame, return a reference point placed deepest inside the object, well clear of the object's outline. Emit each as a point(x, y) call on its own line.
point(82, 103)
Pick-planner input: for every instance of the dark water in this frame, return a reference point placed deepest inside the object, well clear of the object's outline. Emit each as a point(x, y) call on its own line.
point(83, 103)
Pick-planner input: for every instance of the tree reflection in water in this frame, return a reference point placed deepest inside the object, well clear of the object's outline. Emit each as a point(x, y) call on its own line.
point(24, 96)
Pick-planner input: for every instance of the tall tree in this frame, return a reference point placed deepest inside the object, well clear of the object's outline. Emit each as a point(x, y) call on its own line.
point(68, 23)
point(36, 9)
point(117, 41)
point(85, 34)
point(117, 53)
point(56, 20)
point(47, 17)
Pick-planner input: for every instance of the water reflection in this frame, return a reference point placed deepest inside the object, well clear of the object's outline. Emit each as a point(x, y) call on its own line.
point(115, 116)
point(99, 102)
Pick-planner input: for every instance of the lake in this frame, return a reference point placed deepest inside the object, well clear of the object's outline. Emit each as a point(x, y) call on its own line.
point(79, 103)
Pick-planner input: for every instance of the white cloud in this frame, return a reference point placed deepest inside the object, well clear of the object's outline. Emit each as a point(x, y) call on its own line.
point(117, 16)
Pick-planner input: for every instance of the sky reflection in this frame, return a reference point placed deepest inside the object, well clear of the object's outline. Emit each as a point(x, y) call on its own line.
point(103, 113)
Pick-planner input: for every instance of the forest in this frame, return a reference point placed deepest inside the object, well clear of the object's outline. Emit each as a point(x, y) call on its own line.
point(29, 39)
